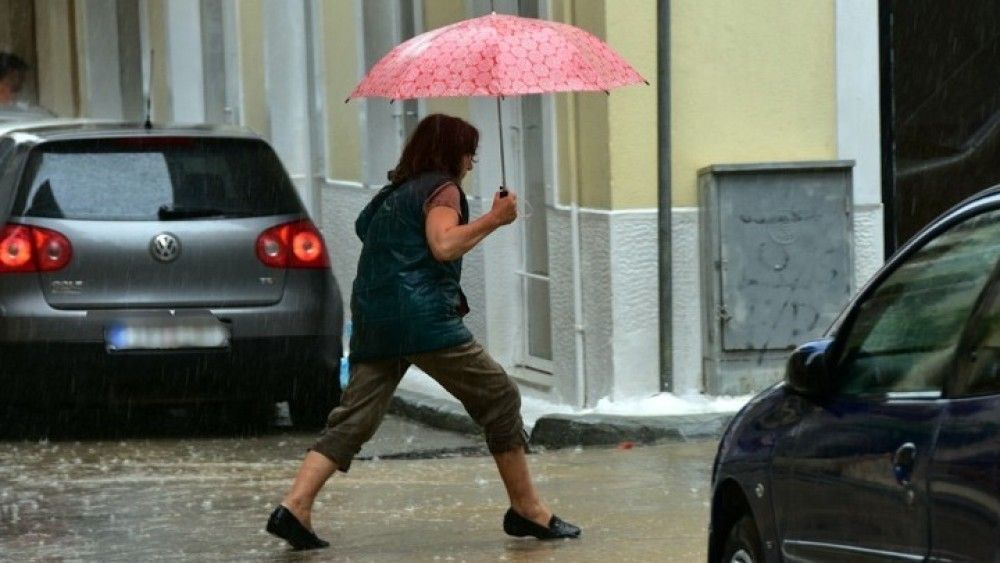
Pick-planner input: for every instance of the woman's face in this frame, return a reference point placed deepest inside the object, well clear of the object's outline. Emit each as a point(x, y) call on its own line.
point(468, 162)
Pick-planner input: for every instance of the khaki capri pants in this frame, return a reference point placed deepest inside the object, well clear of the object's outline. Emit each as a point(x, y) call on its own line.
point(466, 371)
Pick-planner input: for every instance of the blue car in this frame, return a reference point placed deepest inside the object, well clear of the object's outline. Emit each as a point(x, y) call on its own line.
point(883, 442)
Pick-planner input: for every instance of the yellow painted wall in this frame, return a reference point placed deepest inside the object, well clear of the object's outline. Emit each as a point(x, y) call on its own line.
point(631, 32)
point(340, 60)
point(590, 114)
point(751, 80)
point(80, 22)
point(607, 144)
point(56, 56)
point(439, 13)
point(582, 156)
point(161, 103)
point(251, 32)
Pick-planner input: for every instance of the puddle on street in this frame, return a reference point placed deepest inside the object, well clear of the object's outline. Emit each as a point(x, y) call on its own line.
point(207, 498)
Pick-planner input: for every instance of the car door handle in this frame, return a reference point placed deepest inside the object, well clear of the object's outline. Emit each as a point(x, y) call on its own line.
point(903, 461)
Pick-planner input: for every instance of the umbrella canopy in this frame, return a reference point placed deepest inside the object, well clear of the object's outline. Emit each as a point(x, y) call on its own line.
point(497, 55)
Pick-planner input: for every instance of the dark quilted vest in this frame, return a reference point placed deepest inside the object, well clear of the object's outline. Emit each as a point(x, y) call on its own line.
point(404, 301)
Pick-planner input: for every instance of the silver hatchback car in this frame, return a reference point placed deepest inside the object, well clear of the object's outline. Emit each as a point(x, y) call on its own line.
point(164, 265)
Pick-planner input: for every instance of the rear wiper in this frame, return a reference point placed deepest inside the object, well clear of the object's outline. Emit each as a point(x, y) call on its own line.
point(167, 213)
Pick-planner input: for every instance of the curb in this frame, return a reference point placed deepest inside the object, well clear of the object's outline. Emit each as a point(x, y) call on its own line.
point(564, 431)
point(439, 413)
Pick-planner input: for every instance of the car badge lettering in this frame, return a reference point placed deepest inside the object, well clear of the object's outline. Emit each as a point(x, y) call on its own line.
point(165, 247)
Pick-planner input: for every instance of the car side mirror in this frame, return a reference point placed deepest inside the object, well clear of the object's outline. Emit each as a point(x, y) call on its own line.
point(808, 370)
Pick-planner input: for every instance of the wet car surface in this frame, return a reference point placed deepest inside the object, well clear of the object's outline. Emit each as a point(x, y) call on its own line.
point(170, 265)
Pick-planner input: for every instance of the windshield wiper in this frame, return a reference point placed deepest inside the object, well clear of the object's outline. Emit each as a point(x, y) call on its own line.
point(167, 213)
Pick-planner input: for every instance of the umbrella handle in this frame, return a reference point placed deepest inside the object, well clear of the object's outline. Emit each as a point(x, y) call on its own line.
point(503, 192)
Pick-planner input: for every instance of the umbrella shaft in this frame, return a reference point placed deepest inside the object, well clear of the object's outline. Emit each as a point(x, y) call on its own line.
point(503, 162)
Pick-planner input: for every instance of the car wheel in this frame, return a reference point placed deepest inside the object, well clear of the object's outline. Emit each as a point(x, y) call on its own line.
point(314, 394)
point(743, 543)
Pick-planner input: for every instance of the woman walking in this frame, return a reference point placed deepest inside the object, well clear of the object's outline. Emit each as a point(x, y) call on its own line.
point(406, 308)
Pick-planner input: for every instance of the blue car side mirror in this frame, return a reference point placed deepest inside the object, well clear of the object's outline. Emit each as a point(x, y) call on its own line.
point(808, 370)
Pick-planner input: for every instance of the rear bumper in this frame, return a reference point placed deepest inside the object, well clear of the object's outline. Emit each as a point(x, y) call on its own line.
point(310, 305)
point(60, 355)
point(41, 324)
point(85, 373)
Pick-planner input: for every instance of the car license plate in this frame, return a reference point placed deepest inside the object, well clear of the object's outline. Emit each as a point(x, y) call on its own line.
point(166, 334)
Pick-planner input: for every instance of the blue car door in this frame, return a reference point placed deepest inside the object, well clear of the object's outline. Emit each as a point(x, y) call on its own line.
point(853, 485)
point(965, 472)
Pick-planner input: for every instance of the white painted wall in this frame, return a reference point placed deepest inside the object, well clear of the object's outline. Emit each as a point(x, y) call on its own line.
point(97, 38)
point(287, 84)
point(185, 72)
point(687, 296)
point(858, 127)
point(635, 297)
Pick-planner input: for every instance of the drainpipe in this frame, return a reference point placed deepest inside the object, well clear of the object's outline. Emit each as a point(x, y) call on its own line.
point(578, 320)
point(664, 197)
point(579, 324)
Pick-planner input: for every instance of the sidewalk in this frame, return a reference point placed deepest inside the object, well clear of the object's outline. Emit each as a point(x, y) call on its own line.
point(569, 428)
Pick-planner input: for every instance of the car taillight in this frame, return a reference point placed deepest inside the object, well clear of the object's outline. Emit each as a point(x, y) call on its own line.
point(292, 245)
point(32, 249)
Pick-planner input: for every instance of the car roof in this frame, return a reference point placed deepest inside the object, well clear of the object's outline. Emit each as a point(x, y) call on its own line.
point(988, 193)
point(68, 129)
point(986, 197)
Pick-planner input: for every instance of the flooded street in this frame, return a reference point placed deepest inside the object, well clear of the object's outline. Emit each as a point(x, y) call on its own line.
point(207, 498)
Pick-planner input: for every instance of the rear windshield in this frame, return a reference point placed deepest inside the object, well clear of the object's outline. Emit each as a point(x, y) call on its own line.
point(155, 178)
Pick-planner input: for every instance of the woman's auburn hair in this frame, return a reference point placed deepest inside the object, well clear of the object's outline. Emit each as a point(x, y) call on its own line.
point(437, 145)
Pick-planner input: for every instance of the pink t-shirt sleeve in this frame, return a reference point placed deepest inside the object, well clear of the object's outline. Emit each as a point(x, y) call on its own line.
point(445, 196)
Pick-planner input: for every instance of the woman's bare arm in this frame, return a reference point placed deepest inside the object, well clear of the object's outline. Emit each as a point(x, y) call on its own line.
point(448, 240)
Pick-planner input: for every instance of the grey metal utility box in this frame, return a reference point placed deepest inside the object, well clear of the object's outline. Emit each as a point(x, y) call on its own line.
point(776, 265)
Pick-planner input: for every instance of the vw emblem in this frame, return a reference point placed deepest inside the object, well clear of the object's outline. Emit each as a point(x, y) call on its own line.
point(165, 247)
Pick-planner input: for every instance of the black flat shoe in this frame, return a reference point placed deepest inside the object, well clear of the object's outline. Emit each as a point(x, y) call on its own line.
point(519, 526)
point(286, 526)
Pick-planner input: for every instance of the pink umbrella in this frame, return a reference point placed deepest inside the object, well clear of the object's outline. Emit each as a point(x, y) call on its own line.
point(497, 55)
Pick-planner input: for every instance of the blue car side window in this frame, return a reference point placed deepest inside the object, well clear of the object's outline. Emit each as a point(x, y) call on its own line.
point(904, 337)
point(979, 361)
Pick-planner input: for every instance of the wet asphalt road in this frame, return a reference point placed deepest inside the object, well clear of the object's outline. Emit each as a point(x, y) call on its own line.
point(173, 491)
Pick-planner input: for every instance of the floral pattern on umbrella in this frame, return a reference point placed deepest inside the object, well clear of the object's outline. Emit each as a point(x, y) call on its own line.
point(497, 55)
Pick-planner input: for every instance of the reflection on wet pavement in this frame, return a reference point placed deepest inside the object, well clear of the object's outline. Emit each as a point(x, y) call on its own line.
point(207, 498)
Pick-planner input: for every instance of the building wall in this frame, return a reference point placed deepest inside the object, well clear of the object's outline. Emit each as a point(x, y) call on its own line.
point(751, 80)
point(768, 80)
point(56, 57)
point(727, 58)
point(439, 13)
point(250, 21)
point(859, 128)
point(159, 83)
point(340, 58)
point(632, 113)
